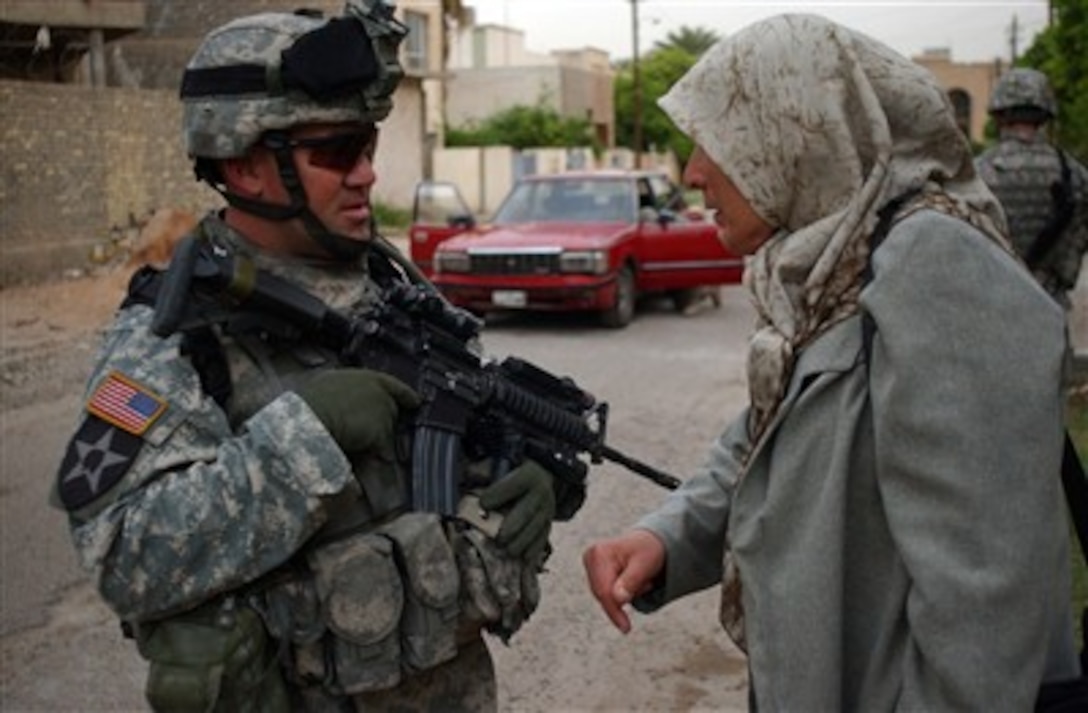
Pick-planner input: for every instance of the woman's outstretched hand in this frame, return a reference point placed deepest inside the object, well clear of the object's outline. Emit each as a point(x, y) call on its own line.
point(621, 568)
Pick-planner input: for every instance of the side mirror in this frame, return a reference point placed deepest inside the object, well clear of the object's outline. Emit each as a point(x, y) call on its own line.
point(439, 204)
point(666, 216)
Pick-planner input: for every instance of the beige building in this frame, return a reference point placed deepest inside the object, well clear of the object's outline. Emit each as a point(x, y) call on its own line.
point(490, 69)
point(969, 85)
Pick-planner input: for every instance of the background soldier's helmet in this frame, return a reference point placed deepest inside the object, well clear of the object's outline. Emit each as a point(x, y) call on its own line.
point(1023, 89)
point(275, 70)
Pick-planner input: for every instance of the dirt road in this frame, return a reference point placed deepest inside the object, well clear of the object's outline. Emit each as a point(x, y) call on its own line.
point(671, 381)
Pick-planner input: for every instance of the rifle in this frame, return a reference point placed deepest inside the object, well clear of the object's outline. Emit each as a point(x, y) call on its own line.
point(473, 407)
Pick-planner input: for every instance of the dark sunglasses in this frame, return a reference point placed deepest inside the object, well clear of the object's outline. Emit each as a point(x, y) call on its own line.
point(338, 152)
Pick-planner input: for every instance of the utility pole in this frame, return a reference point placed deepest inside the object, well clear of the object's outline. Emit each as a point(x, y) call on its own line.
point(637, 77)
point(1014, 37)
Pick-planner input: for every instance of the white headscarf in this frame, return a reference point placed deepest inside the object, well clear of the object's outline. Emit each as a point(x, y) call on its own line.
point(819, 126)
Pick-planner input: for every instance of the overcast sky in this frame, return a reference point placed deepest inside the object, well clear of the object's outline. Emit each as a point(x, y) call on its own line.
point(974, 30)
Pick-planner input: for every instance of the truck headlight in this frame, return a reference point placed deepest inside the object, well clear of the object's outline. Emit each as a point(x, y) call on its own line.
point(592, 262)
point(452, 261)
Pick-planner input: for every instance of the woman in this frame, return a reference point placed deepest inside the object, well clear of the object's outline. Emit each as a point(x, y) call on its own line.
point(884, 515)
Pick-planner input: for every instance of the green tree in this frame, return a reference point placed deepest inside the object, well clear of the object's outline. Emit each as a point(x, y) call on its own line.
point(658, 71)
point(1061, 52)
point(693, 40)
point(524, 127)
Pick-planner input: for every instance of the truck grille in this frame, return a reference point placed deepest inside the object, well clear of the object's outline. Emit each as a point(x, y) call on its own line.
point(515, 264)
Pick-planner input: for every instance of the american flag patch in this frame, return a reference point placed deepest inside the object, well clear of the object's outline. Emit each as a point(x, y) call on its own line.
point(124, 403)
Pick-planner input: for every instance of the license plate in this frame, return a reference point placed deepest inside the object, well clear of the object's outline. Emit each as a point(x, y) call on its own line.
point(508, 298)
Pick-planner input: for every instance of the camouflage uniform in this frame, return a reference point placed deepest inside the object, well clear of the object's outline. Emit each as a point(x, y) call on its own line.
point(1021, 170)
point(194, 506)
point(160, 540)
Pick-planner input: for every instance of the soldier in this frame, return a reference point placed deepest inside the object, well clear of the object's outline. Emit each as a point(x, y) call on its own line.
point(1043, 190)
point(238, 494)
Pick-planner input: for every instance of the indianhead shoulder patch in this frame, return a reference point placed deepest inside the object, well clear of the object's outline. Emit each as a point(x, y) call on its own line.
point(106, 444)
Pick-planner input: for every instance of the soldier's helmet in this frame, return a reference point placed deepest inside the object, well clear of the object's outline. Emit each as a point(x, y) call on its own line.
point(272, 71)
point(1022, 89)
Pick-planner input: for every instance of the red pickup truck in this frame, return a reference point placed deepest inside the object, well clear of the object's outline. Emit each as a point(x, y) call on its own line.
point(572, 241)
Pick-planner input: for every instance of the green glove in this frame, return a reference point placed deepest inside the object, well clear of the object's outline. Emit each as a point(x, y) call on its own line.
point(359, 407)
point(528, 497)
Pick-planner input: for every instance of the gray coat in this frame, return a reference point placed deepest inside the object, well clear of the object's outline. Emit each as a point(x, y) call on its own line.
point(900, 534)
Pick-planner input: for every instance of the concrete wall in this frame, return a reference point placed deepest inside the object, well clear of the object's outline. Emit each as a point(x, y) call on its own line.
point(588, 93)
point(473, 95)
point(400, 157)
point(483, 175)
point(79, 163)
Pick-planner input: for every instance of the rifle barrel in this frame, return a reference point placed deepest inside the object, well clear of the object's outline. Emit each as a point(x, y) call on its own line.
point(636, 466)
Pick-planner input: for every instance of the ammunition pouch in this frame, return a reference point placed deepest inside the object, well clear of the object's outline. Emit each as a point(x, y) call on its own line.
point(379, 605)
point(499, 592)
point(429, 622)
point(212, 658)
point(362, 599)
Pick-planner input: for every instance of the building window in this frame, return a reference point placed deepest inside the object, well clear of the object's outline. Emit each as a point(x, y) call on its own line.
point(961, 107)
point(415, 45)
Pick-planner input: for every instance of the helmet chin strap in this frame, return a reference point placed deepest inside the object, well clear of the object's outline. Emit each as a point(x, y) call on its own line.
point(340, 247)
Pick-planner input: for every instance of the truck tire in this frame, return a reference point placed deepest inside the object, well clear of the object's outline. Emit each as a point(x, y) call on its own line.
point(622, 310)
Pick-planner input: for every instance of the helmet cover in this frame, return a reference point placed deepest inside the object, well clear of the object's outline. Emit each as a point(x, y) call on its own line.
point(272, 71)
point(1023, 88)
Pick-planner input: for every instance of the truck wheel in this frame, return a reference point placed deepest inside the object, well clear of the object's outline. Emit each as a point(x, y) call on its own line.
point(622, 310)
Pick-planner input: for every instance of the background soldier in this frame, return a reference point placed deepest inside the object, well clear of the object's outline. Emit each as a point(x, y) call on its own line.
point(237, 493)
point(1043, 190)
